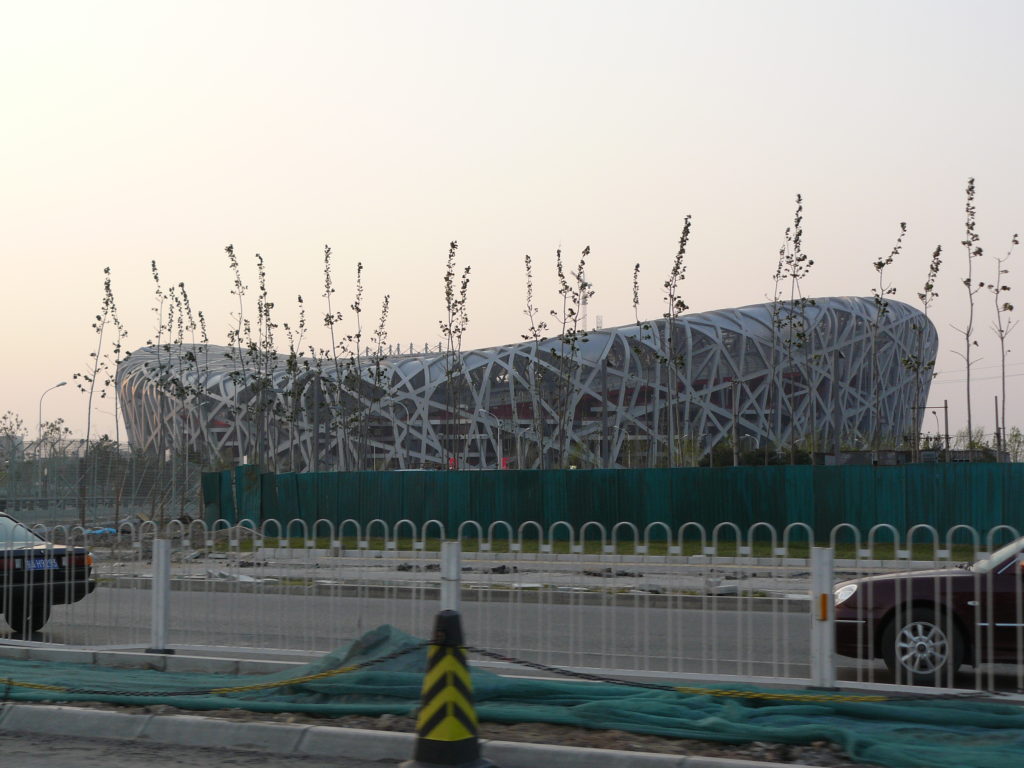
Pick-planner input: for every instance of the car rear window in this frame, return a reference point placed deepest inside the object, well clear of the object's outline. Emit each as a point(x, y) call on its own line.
point(13, 533)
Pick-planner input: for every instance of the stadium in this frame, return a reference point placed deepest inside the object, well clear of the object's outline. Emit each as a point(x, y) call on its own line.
point(823, 373)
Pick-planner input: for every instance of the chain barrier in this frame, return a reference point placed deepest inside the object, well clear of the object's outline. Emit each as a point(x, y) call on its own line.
point(697, 691)
point(8, 683)
point(689, 690)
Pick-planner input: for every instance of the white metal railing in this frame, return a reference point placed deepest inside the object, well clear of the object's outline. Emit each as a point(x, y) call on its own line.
point(727, 603)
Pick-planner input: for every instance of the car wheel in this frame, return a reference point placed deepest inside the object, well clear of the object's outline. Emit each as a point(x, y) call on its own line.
point(922, 647)
point(26, 619)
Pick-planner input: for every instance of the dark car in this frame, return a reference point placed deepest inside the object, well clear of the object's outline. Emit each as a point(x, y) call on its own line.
point(35, 575)
point(926, 624)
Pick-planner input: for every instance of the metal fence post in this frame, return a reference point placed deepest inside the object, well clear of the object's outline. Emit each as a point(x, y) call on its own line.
point(451, 575)
point(161, 596)
point(823, 667)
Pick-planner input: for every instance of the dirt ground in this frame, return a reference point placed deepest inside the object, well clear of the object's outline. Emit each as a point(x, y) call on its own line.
point(817, 754)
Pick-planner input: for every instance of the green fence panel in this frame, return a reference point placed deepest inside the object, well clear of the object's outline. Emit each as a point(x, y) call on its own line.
point(486, 489)
point(381, 498)
point(937, 495)
point(594, 497)
point(829, 501)
point(528, 496)
point(268, 497)
point(348, 500)
point(599, 496)
point(390, 506)
point(553, 501)
point(228, 509)
point(459, 501)
point(247, 492)
point(727, 500)
point(328, 496)
point(209, 485)
point(1013, 497)
point(925, 496)
point(987, 494)
point(661, 496)
point(422, 495)
point(287, 499)
point(306, 490)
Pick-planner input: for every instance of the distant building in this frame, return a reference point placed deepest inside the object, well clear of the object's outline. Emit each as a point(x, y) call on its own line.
point(833, 371)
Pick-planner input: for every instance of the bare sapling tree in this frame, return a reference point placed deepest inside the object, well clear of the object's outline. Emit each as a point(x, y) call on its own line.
point(157, 342)
point(197, 359)
point(296, 365)
point(974, 251)
point(674, 356)
point(565, 358)
point(55, 438)
point(1002, 326)
point(165, 382)
point(238, 352)
point(264, 364)
point(773, 388)
point(379, 389)
point(535, 335)
point(180, 390)
point(1014, 445)
point(313, 399)
point(917, 363)
point(797, 337)
point(96, 375)
point(12, 451)
point(582, 292)
point(453, 326)
point(333, 385)
point(645, 359)
point(880, 295)
point(353, 378)
point(12, 434)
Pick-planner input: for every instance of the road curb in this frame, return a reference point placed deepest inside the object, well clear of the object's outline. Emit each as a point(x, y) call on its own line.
point(321, 740)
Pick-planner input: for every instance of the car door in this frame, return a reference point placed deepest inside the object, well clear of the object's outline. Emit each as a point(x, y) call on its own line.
point(1004, 612)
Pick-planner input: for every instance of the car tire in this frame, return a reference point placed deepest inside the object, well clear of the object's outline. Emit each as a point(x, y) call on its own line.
point(922, 646)
point(26, 619)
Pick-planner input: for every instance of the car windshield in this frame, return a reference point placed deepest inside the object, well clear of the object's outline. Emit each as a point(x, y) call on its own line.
point(13, 533)
point(999, 556)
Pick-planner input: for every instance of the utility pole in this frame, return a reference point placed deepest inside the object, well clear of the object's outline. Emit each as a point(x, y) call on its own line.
point(999, 442)
point(945, 409)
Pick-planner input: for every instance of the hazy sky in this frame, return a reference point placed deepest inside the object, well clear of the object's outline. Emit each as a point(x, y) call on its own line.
point(138, 131)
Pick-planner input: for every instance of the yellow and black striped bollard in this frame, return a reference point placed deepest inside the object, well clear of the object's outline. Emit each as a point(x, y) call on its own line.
point(446, 728)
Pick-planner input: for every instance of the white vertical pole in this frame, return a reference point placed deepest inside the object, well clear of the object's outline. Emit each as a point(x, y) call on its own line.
point(161, 596)
point(823, 668)
point(451, 575)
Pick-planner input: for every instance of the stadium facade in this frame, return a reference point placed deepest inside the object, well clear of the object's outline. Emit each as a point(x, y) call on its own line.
point(835, 371)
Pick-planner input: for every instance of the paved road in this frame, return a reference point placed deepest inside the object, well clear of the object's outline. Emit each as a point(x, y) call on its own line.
point(627, 633)
point(36, 751)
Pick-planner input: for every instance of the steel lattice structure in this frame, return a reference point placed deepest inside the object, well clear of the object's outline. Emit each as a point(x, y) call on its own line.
point(828, 371)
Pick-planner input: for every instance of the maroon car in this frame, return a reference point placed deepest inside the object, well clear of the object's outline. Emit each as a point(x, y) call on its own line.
point(926, 624)
point(35, 575)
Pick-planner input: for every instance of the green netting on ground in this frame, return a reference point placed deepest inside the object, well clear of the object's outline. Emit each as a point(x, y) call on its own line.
point(901, 733)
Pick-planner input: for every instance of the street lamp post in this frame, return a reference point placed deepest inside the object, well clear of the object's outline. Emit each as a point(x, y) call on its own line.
point(39, 437)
